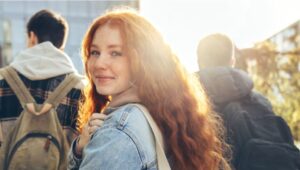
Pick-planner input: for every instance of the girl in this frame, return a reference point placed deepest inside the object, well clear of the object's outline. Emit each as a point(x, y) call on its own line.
point(127, 62)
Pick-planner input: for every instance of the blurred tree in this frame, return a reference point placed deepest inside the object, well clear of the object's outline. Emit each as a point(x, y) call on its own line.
point(277, 76)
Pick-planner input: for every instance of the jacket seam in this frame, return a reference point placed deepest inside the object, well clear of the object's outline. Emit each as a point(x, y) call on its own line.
point(122, 127)
point(138, 145)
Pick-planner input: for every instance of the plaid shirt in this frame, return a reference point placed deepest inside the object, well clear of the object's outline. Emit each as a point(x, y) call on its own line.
point(67, 110)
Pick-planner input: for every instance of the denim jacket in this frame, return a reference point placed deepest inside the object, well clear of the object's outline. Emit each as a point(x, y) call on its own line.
point(124, 142)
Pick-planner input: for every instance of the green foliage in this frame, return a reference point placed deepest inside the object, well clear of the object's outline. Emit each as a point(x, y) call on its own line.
point(277, 76)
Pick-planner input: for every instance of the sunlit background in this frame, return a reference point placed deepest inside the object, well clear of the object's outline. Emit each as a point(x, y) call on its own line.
point(79, 14)
point(273, 26)
point(184, 22)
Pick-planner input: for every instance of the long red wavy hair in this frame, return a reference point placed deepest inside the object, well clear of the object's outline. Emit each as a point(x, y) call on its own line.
point(175, 99)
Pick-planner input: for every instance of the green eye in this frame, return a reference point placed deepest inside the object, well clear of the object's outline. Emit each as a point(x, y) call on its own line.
point(116, 53)
point(94, 53)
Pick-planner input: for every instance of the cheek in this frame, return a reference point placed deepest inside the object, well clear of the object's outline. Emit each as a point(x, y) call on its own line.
point(126, 65)
point(128, 73)
point(90, 66)
point(124, 70)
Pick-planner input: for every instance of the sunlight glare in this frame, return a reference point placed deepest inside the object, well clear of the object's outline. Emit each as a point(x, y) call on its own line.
point(184, 22)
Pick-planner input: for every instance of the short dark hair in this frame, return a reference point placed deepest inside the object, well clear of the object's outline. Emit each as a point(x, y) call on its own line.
point(215, 50)
point(48, 26)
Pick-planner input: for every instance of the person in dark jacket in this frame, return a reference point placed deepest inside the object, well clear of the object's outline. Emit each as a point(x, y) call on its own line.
point(223, 83)
point(42, 66)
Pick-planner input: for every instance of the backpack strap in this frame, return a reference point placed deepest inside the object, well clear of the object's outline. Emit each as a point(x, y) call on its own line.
point(16, 84)
point(26, 99)
point(1, 134)
point(162, 160)
point(62, 90)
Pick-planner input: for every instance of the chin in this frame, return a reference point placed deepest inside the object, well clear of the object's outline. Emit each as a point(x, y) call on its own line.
point(102, 92)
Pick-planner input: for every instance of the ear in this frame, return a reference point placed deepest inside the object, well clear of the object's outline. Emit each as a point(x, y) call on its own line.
point(233, 55)
point(32, 39)
point(232, 61)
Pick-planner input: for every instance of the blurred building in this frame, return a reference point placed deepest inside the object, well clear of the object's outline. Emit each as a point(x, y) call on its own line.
point(284, 42)
point(79, 14)
point(287, 40)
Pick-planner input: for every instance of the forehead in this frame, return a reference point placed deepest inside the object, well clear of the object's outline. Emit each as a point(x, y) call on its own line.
point(107, 35)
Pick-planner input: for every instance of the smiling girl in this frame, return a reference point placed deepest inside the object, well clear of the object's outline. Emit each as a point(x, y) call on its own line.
point(127, 62)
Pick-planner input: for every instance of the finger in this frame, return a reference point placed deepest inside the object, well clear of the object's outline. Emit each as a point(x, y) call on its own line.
point(92, 129)
point(85, 129)
point(85, 135)
point(96, 122)
point(98, 116)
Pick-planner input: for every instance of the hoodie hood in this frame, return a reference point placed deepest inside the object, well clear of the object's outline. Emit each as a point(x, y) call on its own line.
point(43, 61)
point(225, 84)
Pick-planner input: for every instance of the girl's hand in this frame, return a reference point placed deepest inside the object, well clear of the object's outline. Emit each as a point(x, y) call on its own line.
point(96, 120)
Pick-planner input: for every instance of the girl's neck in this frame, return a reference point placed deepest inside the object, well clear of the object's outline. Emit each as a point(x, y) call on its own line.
point(128, 96)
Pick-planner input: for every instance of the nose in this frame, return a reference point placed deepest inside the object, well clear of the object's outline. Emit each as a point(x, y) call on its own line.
point(102, 62)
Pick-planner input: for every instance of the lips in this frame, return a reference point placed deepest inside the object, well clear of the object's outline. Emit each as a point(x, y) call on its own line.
point(104, 79)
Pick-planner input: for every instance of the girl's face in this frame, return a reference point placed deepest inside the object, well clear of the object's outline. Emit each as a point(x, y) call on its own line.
point(107, 64)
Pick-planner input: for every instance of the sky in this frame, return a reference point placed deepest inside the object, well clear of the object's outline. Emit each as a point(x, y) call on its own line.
point(184, 22)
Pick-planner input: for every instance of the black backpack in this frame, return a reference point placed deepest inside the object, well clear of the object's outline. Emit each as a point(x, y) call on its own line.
point(260, 140)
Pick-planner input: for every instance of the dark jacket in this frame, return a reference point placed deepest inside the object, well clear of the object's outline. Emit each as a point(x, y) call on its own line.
point(225, 85)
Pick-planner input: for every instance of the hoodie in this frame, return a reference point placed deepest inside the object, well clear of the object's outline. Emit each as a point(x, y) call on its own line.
point(41, 68)
point(43, 61)
point(225, 84)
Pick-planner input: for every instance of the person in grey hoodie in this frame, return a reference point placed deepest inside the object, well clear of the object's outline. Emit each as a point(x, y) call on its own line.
point(42, 66)
point(225, 84)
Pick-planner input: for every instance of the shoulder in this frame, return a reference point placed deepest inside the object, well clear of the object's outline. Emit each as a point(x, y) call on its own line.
point(133, 122)
point(2, 80)
point(254, 105)
point(127, 114)
point(110, 148)
point(258, 97)
point(82, 83)
point(232, 108)
point(1, 77)
point(129, 121)
point(130, 117)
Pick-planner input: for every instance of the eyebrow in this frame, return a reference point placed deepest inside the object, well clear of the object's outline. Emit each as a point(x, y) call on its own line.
point(110, 46)
point(93, 45)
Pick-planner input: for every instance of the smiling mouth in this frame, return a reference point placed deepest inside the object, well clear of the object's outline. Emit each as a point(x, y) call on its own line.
point(104, 79)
